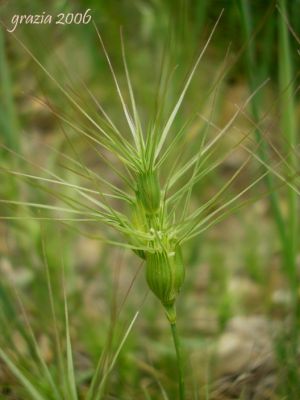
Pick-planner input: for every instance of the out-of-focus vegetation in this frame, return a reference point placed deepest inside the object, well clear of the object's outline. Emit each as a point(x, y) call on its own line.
point(63, 290)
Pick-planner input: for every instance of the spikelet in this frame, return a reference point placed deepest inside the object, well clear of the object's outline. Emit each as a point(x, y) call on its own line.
point(148, 191)
point(139, 222)
point(165, 275)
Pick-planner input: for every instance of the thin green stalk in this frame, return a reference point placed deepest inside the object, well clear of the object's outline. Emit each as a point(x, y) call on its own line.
point(177, 346)
point(289, 129)
point(8, 119)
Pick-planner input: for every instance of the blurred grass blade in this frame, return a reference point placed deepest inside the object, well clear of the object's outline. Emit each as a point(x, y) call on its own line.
point(35, 395)
point(104, 378)
point(255, 74)
point(59, 352)
point(289, 131)
point(37, 350)
point(9, 128)
point(70, 365)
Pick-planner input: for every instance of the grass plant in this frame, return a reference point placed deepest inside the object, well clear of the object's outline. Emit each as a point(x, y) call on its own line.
point(151, 209)
point(36, 377)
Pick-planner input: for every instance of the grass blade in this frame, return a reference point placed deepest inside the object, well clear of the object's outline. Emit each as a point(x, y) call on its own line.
point(34, 393)
point(70, 365)
point(113, 362)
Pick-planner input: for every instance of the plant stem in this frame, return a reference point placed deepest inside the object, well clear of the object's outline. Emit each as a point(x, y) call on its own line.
point(289, 130)
point(177, 346)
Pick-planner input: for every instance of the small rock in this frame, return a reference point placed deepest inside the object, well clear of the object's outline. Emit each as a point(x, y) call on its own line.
point(244, 289)
point(281, 297)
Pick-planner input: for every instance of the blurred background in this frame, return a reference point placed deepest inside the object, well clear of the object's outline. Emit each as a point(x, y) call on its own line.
point(238, 313)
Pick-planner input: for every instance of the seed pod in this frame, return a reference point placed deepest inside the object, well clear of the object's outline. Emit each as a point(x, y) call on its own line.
point(165, 274)
point(148, 191)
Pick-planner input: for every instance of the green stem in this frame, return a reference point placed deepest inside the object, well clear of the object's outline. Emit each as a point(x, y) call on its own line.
point(289, 130)
point(177, 346)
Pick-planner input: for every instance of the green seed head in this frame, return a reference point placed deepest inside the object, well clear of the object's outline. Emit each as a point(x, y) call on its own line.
point(148, 191)
point(165, 274)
